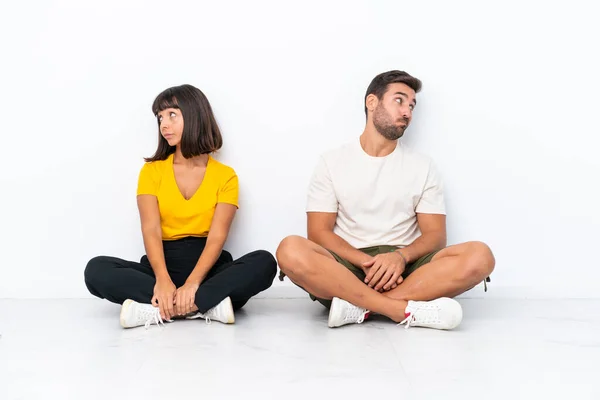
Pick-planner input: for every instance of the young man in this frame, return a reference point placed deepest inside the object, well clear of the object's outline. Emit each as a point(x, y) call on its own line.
point(377, 226)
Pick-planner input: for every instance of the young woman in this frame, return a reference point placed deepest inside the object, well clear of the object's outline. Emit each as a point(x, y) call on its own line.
point(187, 201)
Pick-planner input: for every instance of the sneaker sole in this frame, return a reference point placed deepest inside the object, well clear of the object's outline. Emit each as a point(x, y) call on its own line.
point(124, 309)
point(333, 315)
point(231, 318)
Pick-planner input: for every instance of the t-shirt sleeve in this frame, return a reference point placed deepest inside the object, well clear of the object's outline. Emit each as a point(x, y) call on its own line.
point(229, 190)
point(321, 194)
point(148, 180)
point(432, 198)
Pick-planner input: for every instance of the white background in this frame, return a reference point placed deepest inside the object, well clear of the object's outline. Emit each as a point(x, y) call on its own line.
point(507, 111)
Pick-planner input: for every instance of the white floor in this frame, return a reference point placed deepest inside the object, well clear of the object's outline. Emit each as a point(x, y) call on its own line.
point(282, 349)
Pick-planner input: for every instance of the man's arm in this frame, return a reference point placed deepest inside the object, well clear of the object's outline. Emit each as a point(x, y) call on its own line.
point(321, 213)
point(320, 230)
point(433, 237)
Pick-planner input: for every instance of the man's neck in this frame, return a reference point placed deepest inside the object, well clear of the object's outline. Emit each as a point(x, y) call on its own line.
point(374, 144)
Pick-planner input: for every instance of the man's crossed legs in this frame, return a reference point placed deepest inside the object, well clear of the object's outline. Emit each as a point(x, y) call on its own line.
point(422, 299)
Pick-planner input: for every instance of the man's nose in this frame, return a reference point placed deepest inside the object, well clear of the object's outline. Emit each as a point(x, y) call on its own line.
point(406, 112)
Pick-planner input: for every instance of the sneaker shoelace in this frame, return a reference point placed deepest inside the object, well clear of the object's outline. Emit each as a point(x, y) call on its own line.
point(152, 317)
point(422, 314)
point(355, 314)
point(200, 315)
point(207, 317)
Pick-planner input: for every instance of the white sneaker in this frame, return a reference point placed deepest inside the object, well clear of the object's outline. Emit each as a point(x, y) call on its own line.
point(342, 313)
point(442, 313)
point(136, 314)
point(222, 312)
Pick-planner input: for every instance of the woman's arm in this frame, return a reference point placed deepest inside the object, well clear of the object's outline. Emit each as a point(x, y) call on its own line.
point(152, 233)
point(164, 290)
point(217, 235)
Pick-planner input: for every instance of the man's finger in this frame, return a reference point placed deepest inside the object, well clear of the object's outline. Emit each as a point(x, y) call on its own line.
point(372, 271)
point(381, 270)
point(369, 263)
point(385, 279)
point(392, 280)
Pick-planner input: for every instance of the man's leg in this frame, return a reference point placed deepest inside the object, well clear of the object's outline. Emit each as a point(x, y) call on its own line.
point(312, 267)
point(452, 271)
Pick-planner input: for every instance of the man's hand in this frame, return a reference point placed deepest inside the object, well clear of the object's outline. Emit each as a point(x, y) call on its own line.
point(164, 293)
point(184, 298)
point(384, 271)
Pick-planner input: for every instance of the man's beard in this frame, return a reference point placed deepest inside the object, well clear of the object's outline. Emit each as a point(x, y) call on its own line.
point(385, 126)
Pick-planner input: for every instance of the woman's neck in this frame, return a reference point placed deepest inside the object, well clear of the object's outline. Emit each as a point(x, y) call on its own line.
point(197, 161)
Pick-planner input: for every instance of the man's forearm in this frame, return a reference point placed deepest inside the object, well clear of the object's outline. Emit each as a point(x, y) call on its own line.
point(339, 246)
point(425, 244)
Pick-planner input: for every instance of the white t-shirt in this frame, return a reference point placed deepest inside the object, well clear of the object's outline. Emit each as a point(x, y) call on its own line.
point(376, 198)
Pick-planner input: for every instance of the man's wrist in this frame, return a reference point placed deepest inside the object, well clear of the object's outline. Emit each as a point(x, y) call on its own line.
point(402, 256)
point(364, 258)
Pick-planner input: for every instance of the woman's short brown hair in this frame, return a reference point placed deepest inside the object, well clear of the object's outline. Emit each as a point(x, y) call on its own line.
point(201, 134)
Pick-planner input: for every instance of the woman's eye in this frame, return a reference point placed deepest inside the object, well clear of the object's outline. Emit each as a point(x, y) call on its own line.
point(399, 101)
point(173, 114)
point(159, 119)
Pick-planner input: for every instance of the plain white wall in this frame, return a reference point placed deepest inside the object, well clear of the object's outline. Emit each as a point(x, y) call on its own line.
point(507, 111)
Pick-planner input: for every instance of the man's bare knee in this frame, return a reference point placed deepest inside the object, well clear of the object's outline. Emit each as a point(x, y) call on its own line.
point(291, 255)
point(479, 261)
point(299, 257)
point(288, 249)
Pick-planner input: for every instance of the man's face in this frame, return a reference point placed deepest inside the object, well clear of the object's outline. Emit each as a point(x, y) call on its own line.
point(393, 112)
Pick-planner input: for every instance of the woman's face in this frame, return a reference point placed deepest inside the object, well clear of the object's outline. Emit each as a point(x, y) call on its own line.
point(171, 125)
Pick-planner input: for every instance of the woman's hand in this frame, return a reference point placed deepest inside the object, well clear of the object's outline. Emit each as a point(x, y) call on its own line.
point(184, 298)
point(164, 295)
